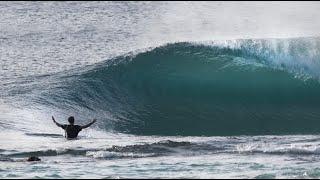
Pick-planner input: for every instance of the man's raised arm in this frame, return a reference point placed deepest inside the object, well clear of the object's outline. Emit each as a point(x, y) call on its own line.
point(88, 125)
point(59, 125)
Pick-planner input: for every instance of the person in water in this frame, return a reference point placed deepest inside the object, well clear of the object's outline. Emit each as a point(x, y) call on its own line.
point(71, 130)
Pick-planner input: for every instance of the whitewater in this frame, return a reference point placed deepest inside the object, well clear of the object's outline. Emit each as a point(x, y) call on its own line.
point(179, 89)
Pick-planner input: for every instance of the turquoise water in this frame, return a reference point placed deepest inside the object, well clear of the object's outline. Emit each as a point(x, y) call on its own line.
point(176, 94)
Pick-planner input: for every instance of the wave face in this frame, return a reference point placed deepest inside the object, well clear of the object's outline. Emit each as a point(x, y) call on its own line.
point(190, 89)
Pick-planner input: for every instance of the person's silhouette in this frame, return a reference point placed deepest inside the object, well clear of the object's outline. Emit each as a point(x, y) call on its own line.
point(71, 130)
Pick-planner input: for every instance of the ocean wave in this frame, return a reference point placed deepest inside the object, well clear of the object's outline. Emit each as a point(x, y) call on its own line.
point(44, 135)
point(173, 148)
point(49, 152)
point(244, 87)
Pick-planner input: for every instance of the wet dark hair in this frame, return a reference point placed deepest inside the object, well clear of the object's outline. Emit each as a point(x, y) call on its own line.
point(71, 120)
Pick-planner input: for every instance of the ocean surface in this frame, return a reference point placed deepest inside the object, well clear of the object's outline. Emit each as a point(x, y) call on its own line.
point(179, 89)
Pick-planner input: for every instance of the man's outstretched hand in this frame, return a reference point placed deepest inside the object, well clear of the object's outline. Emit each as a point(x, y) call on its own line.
point(88, 125)
point(59, 125)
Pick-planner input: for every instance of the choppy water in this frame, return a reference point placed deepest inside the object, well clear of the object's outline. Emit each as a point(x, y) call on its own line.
point(180, 89)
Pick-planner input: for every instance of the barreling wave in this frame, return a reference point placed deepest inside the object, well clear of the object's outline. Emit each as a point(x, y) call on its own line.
point(244, 87)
